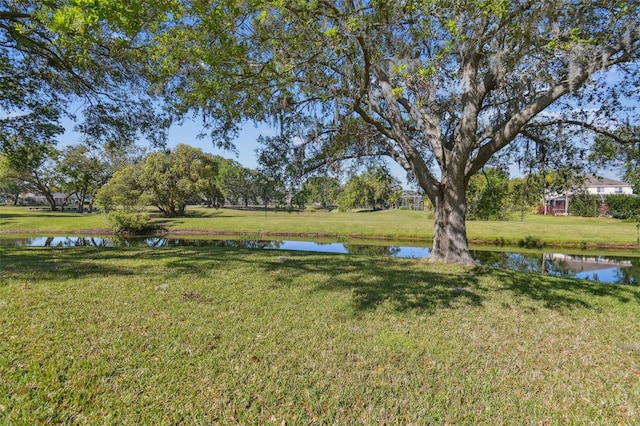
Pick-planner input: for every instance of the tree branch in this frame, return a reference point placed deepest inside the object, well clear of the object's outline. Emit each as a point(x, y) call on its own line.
point(605, 58)
point(596, 129)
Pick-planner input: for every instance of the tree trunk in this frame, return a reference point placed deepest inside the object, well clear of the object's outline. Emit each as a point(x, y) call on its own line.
point(51, 201)
point(450, 236)
point(80, 197)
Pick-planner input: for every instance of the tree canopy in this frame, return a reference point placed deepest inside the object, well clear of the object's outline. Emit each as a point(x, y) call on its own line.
point(82, 59)
point(440, 87)
point(167, 179)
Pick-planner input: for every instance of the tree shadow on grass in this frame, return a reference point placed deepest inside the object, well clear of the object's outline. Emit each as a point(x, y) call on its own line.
point(372, 281)
point(414, 284)
point(558, 293)
point(39, 264)
point(375, 281)
point(43, 213)
point(210, 212)
point(409, 284)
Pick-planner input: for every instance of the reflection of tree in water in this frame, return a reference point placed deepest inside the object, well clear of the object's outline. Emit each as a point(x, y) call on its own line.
point(252, 244)
point(629, 275)
point(372, 250)
point(559, 268)
point(16, 242)
point(186, 242)
point(87, 242)
point(512, 261)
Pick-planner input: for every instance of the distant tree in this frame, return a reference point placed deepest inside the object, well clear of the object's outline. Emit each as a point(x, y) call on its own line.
point(323, 190)
point(622, 206)
point(207, 170)
point(524, 194)
point(269, 189)
point(487, 195)
point(28, 143)
point(585, 205)
point(81, 173)
point(354, 194)
point(173, 178)
point(124, 191)
point(381, 186)
point(235, 182)
point(37, 167)
point(395, 197)
point(281, 167)
point(12, 182)
point(372, 188)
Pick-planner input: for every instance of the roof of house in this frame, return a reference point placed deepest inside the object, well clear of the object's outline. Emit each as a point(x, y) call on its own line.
point(591, 181)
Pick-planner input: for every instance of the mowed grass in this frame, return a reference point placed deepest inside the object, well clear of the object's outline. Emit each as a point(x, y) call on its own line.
point(387, 224)
point(30, 221)
point(225, 336)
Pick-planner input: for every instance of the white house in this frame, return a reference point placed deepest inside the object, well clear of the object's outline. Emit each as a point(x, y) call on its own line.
point(559, 203)
point(604, 186)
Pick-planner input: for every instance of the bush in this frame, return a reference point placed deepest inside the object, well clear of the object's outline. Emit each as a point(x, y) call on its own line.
point(124, 223)
point(585, 205)
point(487, 196)
point(624, 206)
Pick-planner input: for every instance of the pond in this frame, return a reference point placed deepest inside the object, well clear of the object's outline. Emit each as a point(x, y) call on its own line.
point(613, 269)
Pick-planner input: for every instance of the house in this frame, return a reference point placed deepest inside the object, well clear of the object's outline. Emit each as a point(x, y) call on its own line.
point(604, 186)
point(558, 203)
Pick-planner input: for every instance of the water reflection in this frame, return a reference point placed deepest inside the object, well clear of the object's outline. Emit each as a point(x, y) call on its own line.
point(607, 269)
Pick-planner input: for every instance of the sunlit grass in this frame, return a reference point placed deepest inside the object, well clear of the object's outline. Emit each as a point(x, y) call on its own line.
point(387, 224)
point(219, 336)
point(25, 220)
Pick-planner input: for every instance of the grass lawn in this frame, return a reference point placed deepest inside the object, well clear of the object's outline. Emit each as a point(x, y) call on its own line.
point(388, 224)
point(222, 336)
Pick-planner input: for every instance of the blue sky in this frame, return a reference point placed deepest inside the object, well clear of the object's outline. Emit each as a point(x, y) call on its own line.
point(246, 143)
point(187, 134)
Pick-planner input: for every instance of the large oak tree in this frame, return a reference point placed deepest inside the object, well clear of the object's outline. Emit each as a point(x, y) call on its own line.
point(439, 86)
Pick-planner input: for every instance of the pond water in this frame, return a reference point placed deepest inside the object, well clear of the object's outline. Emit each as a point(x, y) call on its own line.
point(607, 269)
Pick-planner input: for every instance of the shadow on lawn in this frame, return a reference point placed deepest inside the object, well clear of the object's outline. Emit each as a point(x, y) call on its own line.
point(38, 264)
point(45, 213)
point(406, 285)
point(397, 284)
point(555, 293)
point(374, 282)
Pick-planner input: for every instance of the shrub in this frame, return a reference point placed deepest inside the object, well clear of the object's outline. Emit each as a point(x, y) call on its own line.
point(125, 223)
point(624, 206)
point(585, 205)
point(487, 196)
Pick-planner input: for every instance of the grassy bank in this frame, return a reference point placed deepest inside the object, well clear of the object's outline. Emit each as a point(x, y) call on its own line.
point(215, 336)
point(389, 224)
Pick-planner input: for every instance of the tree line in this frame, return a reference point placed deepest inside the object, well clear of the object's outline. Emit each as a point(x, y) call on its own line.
point(128, 179)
